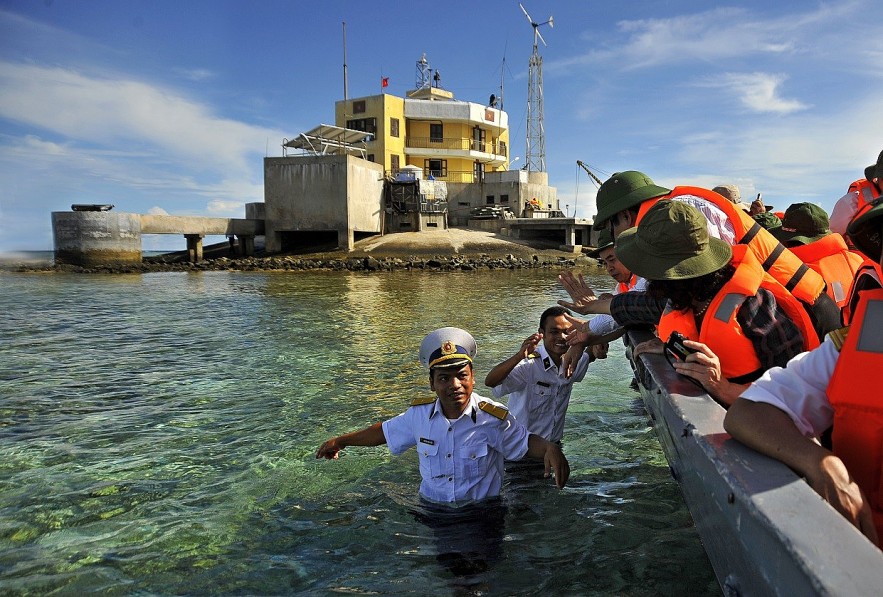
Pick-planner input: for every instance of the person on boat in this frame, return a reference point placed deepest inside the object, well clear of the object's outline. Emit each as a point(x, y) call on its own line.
point(784, 412)
point(603, 328)
point(768, 220)
point(462, 438)
point(539, 391)
point(805, 230)
point(626, 197)
point(860, 194)
point(735, 316)
point(733, 194)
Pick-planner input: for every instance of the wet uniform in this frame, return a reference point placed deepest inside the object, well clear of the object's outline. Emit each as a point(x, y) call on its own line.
point(461, 461)
point(539, 393)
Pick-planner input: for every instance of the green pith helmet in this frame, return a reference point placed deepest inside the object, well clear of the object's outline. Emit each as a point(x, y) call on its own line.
point(605, 241)
point(672, 243)
point(622, 191)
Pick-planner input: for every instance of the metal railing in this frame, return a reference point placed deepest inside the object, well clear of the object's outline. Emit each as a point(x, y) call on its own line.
point(458, 144)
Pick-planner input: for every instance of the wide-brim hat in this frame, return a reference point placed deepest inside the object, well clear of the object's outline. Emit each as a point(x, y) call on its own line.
point(875, 170)
point(768, 220)
point(864, 230)
point(622, 191)
point(605, 241)
point(804, 223)
point(447, 347)
point(672, 243)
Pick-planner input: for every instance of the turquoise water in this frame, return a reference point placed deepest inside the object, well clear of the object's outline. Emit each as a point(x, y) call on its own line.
point(158, 432)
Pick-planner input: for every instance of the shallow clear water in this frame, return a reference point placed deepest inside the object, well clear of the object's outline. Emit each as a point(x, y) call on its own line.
point(158, 432)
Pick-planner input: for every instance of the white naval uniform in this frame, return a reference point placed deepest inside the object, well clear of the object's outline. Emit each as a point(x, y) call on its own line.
point(461, 461)
point(539, 393)
point(800, 389)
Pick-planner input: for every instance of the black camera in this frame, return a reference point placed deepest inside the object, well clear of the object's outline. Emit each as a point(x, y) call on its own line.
point(675, 348)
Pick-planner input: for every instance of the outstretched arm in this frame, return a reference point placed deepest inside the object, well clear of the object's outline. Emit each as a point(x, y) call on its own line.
point(553, 458)
point(370, 436)
point(496, 375)
point(582, 296)
point(771, 431)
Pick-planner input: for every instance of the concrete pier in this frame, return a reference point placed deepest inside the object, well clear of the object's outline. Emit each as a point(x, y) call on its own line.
point(90, 238)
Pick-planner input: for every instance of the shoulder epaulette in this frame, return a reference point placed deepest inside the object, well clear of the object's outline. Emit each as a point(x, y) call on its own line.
point(422, 401)
point(494, 409)
point(838, 337)
point(533, 355)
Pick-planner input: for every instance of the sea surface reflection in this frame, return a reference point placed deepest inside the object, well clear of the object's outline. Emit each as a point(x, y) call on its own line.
point(157, 436)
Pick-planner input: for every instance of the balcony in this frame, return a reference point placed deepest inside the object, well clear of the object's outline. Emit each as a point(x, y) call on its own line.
point(464, 147)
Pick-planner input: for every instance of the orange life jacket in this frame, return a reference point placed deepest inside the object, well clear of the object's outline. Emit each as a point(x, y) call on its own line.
point(855, 396)
point(805, 284)
point(868, 277)
point(867, 192)
point(721, 331)
point(831, 258)
point(626, 286)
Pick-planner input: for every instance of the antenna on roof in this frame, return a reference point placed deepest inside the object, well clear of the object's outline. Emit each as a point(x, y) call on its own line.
point(424, 73)
point(535, 156)
point(344, 61)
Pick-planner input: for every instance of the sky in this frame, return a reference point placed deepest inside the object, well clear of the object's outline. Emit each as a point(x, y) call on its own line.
point(169, 107)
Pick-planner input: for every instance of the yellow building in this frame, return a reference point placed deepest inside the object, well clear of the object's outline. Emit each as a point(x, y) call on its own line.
point(451, 140)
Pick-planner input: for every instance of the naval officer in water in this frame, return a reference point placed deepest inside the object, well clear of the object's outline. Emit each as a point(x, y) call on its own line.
point(462, 438)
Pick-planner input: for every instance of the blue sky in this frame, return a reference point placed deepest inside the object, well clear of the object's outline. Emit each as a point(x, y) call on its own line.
point(169, 107)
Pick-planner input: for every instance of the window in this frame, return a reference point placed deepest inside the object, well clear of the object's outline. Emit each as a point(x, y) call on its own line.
point(359, 107)
point(435, 168)
point(394, 163)
point(489, 199)
point(367, 125)
point(436, 132)
point(504, 199)
point(477, 172)
point(394, 127)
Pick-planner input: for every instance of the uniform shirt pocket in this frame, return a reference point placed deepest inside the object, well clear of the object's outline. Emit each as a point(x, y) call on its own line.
point(474, 460)
point(429, 462)
point(543, 394)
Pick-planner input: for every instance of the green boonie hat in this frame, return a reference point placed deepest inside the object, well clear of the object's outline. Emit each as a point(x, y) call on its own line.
point(605, 241)
point(672, 243)
point(865, 230)
point(622, 191)
point(875, 170)
point(768, 220)
point(804, 223)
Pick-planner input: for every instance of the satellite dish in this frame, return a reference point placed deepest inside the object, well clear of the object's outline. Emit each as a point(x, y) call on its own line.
point(492, 102)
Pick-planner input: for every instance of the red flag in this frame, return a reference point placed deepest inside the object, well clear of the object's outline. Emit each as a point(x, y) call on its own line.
point(384, 82)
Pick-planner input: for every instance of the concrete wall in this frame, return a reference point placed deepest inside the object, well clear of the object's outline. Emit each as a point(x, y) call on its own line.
point(90, 238)
point(520, 186)
point(321, 193)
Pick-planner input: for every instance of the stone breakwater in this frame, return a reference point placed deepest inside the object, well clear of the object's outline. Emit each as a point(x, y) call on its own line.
point(356, 264)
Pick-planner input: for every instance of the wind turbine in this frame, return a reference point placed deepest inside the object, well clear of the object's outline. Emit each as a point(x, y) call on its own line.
point(535, 156)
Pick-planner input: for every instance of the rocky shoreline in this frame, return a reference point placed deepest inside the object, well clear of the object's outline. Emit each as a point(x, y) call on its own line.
point(353, 263)
point(452, 249)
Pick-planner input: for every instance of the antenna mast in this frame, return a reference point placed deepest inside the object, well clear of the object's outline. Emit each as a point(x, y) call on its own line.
point(535, 154)
point(344, 62)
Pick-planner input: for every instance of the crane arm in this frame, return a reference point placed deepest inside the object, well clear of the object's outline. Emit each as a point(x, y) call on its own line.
point(589, 172)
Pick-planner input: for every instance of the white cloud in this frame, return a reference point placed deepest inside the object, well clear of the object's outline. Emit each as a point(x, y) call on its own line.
point(759, 92)
point(102, 110)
